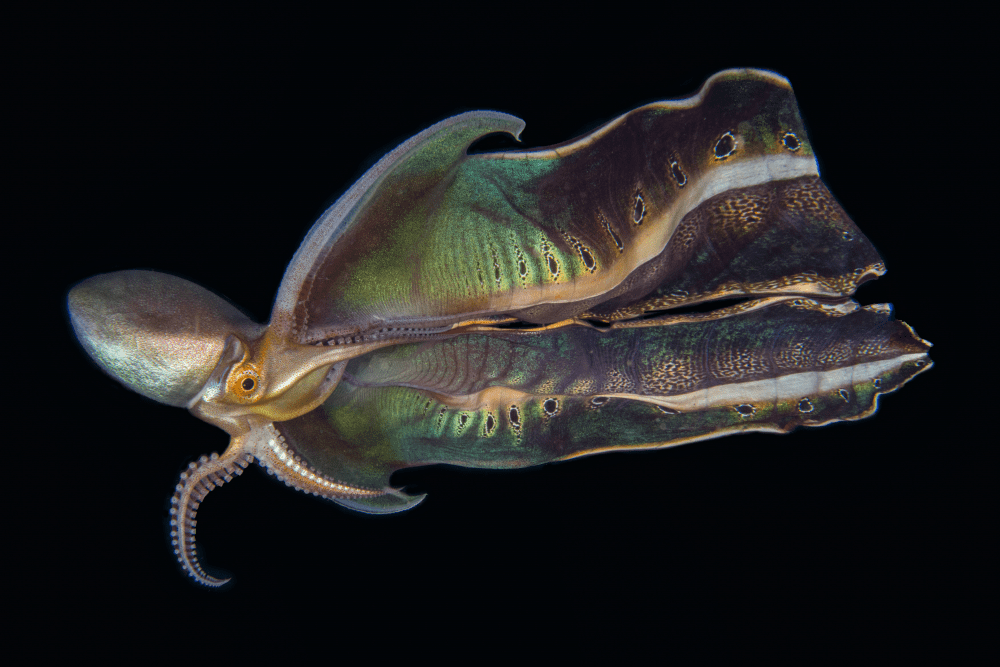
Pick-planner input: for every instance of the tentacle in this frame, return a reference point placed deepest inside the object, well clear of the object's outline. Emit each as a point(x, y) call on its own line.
point(195, 483)
point(274, 454)
point(268, 446)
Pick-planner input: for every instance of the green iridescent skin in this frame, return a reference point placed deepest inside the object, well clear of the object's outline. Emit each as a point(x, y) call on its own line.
point(507, 309)
point(543, 235)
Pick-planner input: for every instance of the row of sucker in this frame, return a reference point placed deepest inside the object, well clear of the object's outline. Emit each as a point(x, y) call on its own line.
point(402, 334)
point(277, 457)
point(209, 472)
point(195, 483)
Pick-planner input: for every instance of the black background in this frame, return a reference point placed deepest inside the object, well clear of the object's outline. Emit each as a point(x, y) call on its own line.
point(208, 149)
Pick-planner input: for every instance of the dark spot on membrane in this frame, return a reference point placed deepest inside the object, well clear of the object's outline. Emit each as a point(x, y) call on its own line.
point(746, 410)
point(522, 268)
point(805, 405)
point(247, 384)
point(702, 307)
point(920, 364)
point(553, 264)
point(599, 400)
point(490, 423)
point(844, 395)
point(588, 259)
point(667, 411)
point(462, 419)
point(638, 209)
point(679, 176)
point(551, 406)
point(725, 147)
point(614, 236)
point(791, 142)
point(515, 416)
point(877, 382)
point(496, 265)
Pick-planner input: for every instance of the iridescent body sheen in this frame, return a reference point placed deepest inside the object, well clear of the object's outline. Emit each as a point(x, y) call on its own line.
point(507, 309)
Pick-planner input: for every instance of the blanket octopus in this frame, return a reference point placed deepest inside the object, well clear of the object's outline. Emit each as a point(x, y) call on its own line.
point(509, 309)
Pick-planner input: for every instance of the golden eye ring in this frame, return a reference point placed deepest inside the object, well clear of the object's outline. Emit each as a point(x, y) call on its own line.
point(244, 383)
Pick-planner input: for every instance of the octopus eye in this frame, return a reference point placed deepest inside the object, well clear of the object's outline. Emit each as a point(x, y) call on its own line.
point(244, 384)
